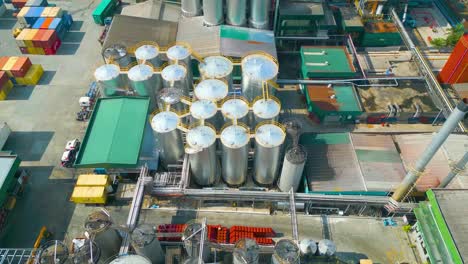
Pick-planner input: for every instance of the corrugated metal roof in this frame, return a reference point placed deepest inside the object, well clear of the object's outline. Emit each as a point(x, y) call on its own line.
point(237, 41)
point(203, 40)
point(154, 10)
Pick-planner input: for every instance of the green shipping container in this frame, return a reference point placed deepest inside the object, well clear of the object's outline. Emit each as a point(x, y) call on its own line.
point(105, 9)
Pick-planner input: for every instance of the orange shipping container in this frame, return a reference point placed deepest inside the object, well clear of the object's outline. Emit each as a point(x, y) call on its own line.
point(49, 38)
point(30, 37)
point(9, 65)
point(456, 68)
point(47, 22)
point(37, 40)
point(21, 37)
point(21, 67)
point(3, 61)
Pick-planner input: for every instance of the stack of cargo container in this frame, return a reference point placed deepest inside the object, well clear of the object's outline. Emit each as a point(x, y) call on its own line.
point(91, 189)
point(22, 3)
point(5, 85)
point(19, 70)
point(44, 29)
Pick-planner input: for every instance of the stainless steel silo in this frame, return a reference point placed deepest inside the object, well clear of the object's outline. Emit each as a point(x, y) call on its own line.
point(235, 107)
point(181, 53)
point(293, 167)
point(88, 253)
point(149, 53)
point(236, 12)
point(308, 247)
point(235, 143)
point(191, 8)
point(127, 259)
point(286, 252)
point(192, 241)
point(269, 139)
point(246, 251)
point(211, 89)
point(265, 109)
point(205, 110)
point(146, 244)
point(213, 12)
point(99, 227)
point(53, 252)
point(175, 76)
point(257, 68)
point(326, 247)
point(201, 142)
point(110, 80)
point(171, 97)
point(259, 14)
point(143, 82)
point(117, 54)
point(169, 138)
point(217, 67)
point(192, 261)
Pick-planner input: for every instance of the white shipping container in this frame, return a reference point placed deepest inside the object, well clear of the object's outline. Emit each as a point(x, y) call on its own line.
point(5, 131)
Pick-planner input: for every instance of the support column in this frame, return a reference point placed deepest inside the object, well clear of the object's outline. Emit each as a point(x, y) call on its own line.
point(459, 167)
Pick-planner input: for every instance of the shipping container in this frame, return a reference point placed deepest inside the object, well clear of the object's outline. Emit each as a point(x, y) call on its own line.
point(29, 37)
point(21, 37)
point(33, 76)
point(46, 11)
point(3, 61)
point(5, 90)
point(9, 65)
point(93, 180)
point(105, 9)
point(37, 40)
point(47, 22)
point(89, 195)
point(18, 3)
point(67, 20)
point(24, 50)
point(455, 69)
point(21, 16)
point(21, 67)
point(31, 50)
point(38, 23)
point(53, 50)
point(49, 38)
point(55, 12)
point(36, 3)
point(3, 78)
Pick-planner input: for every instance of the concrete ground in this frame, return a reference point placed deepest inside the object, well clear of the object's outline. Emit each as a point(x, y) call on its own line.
point(42, 119)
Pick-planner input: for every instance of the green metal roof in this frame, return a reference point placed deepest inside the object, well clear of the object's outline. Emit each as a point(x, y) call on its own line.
point(324, 139)
point(115, 133)
point(347, 99)
point(324, 62)
point(8, 167)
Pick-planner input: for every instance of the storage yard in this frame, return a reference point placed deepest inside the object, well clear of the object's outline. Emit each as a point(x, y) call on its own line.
point(205, 131)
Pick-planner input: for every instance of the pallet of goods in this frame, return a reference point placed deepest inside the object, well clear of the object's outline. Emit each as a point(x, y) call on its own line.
point(20, 71)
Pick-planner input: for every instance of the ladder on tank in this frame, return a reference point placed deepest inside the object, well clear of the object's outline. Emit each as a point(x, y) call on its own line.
point(17, 256)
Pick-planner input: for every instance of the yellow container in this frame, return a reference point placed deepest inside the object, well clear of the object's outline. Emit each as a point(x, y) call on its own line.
point(39, 51)
point(20, 81)
point(89, 195)
point(9, 65)
point(31, 50)
point(28, 39)
point(21, 37)
point(6, 90)
point(93, 180)
point(34, 74)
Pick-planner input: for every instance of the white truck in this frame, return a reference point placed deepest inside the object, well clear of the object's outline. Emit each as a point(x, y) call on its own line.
point(5, 131)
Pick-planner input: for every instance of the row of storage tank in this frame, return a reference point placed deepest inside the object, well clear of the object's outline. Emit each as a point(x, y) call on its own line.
point(207, 111)
point(235, 10)
point(104, 241)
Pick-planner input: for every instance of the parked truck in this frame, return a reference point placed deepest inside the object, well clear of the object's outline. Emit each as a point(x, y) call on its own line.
point(105, 9)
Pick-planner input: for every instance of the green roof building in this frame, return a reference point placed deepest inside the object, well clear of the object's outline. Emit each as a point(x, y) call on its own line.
point(326, 62)
point(9, 165)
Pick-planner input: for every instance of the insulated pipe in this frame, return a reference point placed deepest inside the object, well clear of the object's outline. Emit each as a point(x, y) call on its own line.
point(460, 166)
point(412, 176)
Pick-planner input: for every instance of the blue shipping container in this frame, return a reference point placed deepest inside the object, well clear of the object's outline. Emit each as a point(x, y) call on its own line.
point(56, 23)
point(39, 22)
point(35, 11)
point(68, 21)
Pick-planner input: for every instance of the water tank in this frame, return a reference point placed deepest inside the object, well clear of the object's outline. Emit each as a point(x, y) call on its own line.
point(133, 259)
point(326, 247)
point(265, 109)
point(141, 80)
point(217, 67)
point(98, 225)
point(268, 141)
point(236, 12)
point(211, 89)
point(235, 107)
point(308, 247)
point(191, 8)
point(175, 76)
point(235, 143)
point(109, 79)
point(192, 241)
point(88, 253)
point(205, 110)
point(256, 69)
point(181, 54)
point(171, 97)
point(169, 138)
point(213, 12)
point(293, 167)
point(117, 54)
point(149, 53)
point(146, 244)
point(259, 13)
point(246, 251)
point(53, 252)
point(201, 142)
point(286, 252)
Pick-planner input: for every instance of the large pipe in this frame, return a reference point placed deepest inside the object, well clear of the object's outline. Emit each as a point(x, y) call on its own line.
point(460, 166)
point(449, 125)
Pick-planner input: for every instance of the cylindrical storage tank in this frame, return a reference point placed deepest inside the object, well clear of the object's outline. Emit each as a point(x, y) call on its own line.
point(169, 138)
point(202, 154)
point(191, 8)
point(286, 252)
point(213, 12)
point(205, 110)
point(117, 54)
point(235, 108)
point(293, 167)
point(265, 109)
point(235, 141)
point(171, 97)
point(109, 79)
point(182, 54)
point(99, 226)
point(175, 76)
point(236, 12)
point(326, 247)
point(89, 253)
point(192, 242)
point(192, 261)
point(308, 247)
point(149, 53)
point(217, 67)
point(141, 80)
point(211, 89)
point(53, 252)
point(246, 251)
point(257, 68)
point(133, 259)
point(268, 141)
point(259, 14)
point(146, 244)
